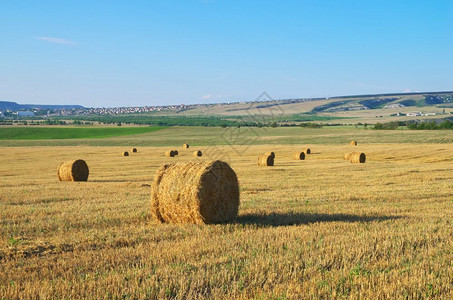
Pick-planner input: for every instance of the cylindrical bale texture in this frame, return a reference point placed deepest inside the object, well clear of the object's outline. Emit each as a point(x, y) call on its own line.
point(307, 151)
point(271, 153)
point(265, 160)
point(357, 157)
point(185, 146)
point(298, 155)
point(170, 153)
point(197, 153)
point(199, 193)
point(125, 153)
point(76, 170)
point(353, 143)
point(134, 150)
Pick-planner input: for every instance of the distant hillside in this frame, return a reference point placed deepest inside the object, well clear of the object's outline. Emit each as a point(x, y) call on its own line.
point(13, 106)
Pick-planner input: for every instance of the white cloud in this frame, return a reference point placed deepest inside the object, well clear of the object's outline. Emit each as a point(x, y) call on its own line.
point(55, 40)
point(208, 96)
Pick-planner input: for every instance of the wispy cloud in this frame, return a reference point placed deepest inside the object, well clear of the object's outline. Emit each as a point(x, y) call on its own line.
point(208, 96)
point(55, 40)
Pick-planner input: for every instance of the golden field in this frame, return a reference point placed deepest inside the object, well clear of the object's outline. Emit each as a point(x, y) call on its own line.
point(318, 228)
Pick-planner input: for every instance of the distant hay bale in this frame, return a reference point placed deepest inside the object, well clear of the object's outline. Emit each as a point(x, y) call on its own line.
point(170, 153)
point(197, 153)
point(353, 143)
point(271, 154)
point(134, 150)
point(298, 155)
point(76, 170)
point(186, 146)
point(265, 160)
point(307, 151)
point(357, 157)
point(125, 153)
point(199, 193)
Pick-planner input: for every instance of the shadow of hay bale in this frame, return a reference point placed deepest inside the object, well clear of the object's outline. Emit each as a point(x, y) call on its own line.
point(289, 219)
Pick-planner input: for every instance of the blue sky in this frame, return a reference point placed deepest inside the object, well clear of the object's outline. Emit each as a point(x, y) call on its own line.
point(134, 53)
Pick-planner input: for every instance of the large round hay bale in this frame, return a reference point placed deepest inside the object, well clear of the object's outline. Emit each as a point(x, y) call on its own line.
point(134, 150)
point(170, 153)
point(298, 155)
point(76, 170)
point(353, 143)
point(175, 152)
point(194, 192)
point(125, 153)
point(346, 155)
point(357, 157)
point(185, 146)
point(197, 153)
point(266, 160)
point(271, 154)
point(307, 151)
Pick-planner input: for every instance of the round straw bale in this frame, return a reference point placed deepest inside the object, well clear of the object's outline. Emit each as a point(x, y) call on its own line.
point(76, 170)
point(298, 155)
point(194, 192)
point(271, 154)
point(307, 151)
point(125, 153)
point(265, 160)
point(134, 150)
point(175, 152)
point(357, 157)
point(197, 153)
point(170, 153)
point(346, 156)
point(353, 143)
point(185, 146)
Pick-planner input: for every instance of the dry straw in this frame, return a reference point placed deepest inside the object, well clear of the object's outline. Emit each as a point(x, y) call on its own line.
point(76, 170)
point(346, 156)
point(271, 154)
point(353, 143)
point(307, 151)
point(199, 193)
point(134, 150)
point(185, 146)
point(170, 153)
point(125, 153)
point(197, 153)
point(298, 155)
point(265, 160)
point(357, 157)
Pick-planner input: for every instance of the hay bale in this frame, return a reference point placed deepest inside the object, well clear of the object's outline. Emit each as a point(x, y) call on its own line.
point(271, 154)
point(197, 153)
point(298, 155)
point(185, 146)
point(265, 160)
point(194, 192)
point(76, 170)
point(346, 156)
point(125, 153)
point(175, 152)
point(353, 143)
point(134, 150)
point(357, 157)
point(307, 151)
point(170, 153)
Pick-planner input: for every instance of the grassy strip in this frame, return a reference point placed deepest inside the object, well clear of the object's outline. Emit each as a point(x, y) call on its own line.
point(50, 133)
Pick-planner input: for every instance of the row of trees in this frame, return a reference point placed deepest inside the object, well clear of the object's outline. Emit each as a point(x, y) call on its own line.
point(446, 124)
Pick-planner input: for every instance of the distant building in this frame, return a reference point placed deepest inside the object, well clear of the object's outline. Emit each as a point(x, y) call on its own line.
point(25, 113)
point(414, 114)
